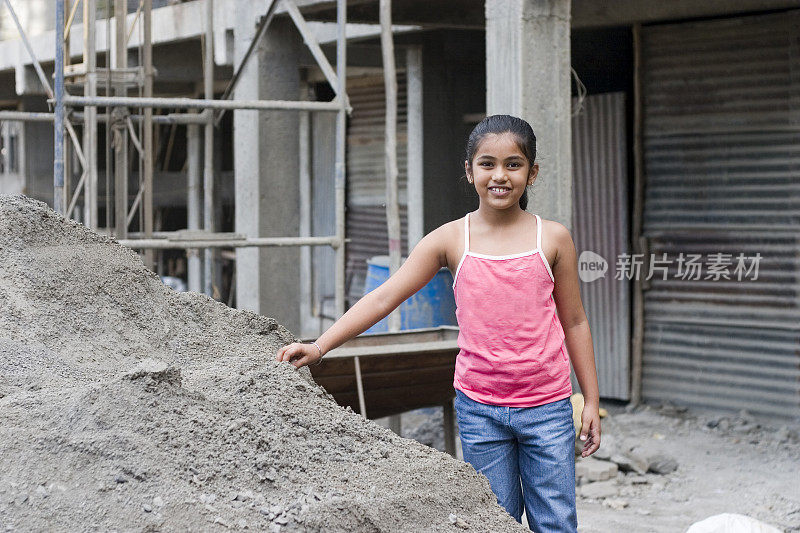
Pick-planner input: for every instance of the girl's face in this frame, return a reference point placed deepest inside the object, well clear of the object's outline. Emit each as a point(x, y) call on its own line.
point(500, 171)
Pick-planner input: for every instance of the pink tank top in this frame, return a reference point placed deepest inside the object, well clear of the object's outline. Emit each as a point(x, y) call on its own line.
point(512, 350)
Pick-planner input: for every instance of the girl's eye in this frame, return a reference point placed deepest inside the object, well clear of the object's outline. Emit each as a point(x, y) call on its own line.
point(515, 165)
point(485, 164)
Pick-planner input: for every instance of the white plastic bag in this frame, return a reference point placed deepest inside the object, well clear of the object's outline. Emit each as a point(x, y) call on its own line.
point(731, 523)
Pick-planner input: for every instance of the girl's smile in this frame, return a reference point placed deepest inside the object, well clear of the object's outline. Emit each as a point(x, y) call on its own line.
point(500, 192)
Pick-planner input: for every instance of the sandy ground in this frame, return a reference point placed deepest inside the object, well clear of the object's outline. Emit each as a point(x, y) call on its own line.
point(726, 464)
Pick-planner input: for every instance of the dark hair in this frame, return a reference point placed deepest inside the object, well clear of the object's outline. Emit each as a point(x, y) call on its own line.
point(497, 124)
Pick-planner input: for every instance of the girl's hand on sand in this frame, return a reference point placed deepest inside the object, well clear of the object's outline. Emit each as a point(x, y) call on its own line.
point(299, 354)
point(590, 430)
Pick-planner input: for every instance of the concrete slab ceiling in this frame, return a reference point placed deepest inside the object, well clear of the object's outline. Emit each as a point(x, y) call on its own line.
point(585, 13)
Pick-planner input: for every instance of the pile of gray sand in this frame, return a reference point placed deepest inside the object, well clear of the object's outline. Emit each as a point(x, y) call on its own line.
point(126, 406)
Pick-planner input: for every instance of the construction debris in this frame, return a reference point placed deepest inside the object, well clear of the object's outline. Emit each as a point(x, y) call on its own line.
point(600, 490)
point(127, 406)
point(595, 470)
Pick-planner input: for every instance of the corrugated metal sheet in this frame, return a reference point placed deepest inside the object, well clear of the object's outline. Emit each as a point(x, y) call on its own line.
point(722, 161)
point(600, 224)
point(720, 367)
point(366, 182)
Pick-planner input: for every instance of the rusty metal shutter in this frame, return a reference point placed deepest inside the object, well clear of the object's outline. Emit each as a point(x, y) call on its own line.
point(722, 164)
point(600, 225)
point(366, 182)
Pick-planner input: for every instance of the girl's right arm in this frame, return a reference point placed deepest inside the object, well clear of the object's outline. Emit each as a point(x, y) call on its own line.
point(424, 261)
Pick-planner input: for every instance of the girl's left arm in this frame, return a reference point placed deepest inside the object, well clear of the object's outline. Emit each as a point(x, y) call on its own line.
point(578, 337)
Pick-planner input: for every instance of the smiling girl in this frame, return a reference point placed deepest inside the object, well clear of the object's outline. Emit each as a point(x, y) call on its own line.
point(521, 323)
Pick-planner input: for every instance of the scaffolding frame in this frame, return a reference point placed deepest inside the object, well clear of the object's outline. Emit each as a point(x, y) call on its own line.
point(121, 121)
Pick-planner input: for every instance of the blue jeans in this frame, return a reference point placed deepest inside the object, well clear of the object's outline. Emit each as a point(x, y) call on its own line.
point(527, 453)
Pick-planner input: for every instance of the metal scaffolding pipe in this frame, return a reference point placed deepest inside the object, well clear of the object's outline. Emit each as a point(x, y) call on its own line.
point(121, 137)
point(198, 103)
point(306, 201)
point(171, 118)
point(74, 199)
point(108, 134)
point(147, 125)
point(341, 122)
point(254, 242)
point(68, 26)
point(134, 137)
point(390, 149)
point(194, 263)
point(23, 116)
point(208, 149)
point(58, 124)
point(90, 113)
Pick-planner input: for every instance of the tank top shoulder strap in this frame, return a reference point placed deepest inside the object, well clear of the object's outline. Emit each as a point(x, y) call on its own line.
point(466, 233)
point(538, 232)
point(466, 249)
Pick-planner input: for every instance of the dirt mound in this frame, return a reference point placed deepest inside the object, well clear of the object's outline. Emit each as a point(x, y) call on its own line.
point(126, 406)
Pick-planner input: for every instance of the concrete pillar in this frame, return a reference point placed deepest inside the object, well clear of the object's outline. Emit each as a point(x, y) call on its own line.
point(266, 165)
point(528, 75)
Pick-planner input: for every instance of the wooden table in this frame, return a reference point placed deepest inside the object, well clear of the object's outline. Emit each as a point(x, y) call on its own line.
point(386, 374)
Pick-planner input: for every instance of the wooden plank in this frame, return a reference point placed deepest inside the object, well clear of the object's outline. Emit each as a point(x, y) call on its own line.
point(393, 378)
point(408, 336)
point(344, 366)
point(392, 349)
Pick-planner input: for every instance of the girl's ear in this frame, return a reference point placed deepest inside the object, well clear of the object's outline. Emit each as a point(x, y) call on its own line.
point(533, 173)
point(466, 171)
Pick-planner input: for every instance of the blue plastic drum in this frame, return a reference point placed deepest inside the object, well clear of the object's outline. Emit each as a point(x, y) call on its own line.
point(433, 305)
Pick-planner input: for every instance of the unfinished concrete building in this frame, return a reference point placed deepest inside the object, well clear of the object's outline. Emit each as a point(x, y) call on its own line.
point(666, 130)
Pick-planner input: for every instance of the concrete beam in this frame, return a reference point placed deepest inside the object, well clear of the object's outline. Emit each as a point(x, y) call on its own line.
point(528, 75)
point(463, 14)
point(585, 13)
